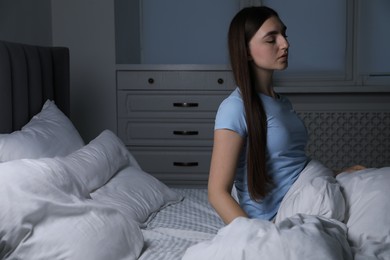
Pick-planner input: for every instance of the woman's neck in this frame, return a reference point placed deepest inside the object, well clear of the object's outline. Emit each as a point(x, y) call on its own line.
point(264, 82)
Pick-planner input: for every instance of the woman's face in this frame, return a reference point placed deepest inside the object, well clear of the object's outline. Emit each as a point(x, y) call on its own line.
point(269, 47)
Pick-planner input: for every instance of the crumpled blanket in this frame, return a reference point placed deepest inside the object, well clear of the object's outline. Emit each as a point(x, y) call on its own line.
point(295, 238)
point(308, 225)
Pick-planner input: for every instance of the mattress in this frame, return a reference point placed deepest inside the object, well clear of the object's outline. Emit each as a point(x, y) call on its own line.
point(179, 226)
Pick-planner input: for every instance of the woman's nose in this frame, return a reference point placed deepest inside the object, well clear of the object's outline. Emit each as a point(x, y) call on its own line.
point(285, 44)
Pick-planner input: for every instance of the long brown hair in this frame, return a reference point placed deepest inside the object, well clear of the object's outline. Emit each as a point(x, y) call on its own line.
point(242, 28)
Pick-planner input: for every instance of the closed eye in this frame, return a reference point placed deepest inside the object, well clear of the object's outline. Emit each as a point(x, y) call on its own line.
point(273, 40)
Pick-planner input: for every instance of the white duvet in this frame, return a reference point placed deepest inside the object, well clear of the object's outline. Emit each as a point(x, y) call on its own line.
point(320, 218)
point(296, 238)
point(46, 211)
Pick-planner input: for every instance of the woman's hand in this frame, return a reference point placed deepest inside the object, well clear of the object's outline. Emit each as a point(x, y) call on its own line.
point(351, 169)
point(354, 168)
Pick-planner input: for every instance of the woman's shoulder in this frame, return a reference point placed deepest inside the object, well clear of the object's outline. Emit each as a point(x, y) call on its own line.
point(231, 114)
point(234, 99)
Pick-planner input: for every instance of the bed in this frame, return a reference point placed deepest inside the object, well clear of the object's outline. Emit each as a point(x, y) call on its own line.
point(62, 198)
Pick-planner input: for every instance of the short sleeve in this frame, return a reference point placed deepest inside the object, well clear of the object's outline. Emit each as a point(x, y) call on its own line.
point(231, 115)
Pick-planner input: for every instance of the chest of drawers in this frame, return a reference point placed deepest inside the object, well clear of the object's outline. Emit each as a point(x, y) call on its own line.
point(166, 119)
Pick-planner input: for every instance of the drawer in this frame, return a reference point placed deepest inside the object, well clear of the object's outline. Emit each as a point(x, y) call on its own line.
point(131, 103)
point(173, 80)
point(186, 168)
point(167, 133)
point(167, 161)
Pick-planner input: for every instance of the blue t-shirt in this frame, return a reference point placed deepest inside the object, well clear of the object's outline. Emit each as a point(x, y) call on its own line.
point(286, 157)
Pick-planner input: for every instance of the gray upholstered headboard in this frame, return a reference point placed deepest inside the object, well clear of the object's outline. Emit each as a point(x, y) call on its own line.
point(29, 75)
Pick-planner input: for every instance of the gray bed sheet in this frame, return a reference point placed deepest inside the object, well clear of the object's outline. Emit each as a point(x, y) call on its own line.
point(179, 226)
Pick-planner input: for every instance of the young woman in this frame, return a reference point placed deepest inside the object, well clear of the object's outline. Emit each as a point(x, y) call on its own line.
point(259, 140)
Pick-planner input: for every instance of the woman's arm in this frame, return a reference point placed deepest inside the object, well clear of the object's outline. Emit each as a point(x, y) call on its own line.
point(226, 151)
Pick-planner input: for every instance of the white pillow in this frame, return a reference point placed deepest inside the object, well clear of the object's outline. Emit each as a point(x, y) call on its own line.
point(136, 194)
point(315, 192)
point(96, 163)
point(48, 211)
point(368, 210)
point(49, 133)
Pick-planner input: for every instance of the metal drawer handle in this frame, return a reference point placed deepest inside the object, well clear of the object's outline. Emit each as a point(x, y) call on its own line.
point(185, 164)
point(185, 132)
point(185, 104)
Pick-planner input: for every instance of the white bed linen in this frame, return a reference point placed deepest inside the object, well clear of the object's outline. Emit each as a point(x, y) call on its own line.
point(136, 194)
point(315, 192)
point(295, 238)
point(309, 223)
point(49, 133)
point(46, 211)
point(368, 212)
